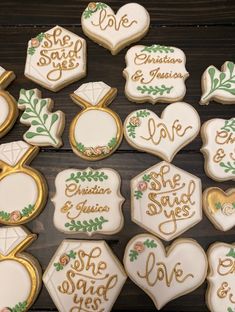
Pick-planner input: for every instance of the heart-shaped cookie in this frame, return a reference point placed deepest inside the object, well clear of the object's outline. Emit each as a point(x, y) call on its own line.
point(165, 275)
point(115, 31)
point(219, 206)
point(165, 136)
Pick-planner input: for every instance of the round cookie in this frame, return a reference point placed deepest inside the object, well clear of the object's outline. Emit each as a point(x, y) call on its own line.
point(20, 272)
point(155, 73)
point(115, 31)
point(165, 274)
point(88, 201)
point(84, 276)
point(162, 136)
point(46, 127)
point(96, 132)
point(56, 58)
point(23, 190)
point(8, 107)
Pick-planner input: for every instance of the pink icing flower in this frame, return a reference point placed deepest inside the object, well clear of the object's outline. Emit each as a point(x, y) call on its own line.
point(35, 42)
point(5, 310)
point(15, 216)
point(142, 186)
point(87, 152)
point(64, 259)
point(139, 247)
point(98, 150)
point(106, 150)
point(92, 6)
point(135, 121)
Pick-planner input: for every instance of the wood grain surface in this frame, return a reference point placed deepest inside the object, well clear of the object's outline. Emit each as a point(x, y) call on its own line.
point(204, 30)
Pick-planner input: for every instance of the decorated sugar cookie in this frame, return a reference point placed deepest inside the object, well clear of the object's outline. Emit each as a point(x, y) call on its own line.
point(165, 136)
point(219, 207)
point(165, 274)
point(96, 132)
point(23, 190)
point(84, 276)
point(219, 85)
point(218, 136)
point(8, 107)
point(220, 296)
point(20, 272)
point(115, 31)
point(166, 200)
point(56, 58)
point(155, 73)
point(88, 201)
point(45, 127)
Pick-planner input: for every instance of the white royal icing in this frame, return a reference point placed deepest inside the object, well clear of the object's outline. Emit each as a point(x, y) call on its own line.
point(90, 264)
point(12, 152)
point(88, 201)
point(166, 200)
point(219, 85)
point(155, 73)
point(221, 288)
point(2, 70)
point(115, 31)
point(165, 136)
point(218, 137)
point(165, 275)
point(56, 58)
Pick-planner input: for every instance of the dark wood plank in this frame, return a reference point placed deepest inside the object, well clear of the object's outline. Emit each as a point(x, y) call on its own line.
point(132, 298)
point(202, 46)
point(167, 12)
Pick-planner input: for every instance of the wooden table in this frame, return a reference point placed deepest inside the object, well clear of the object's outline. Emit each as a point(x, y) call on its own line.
point(204, 30)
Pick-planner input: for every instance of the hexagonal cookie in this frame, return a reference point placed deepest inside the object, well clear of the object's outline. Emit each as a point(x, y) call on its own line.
point(56, 58)
point(84, 276)
point(166, 200)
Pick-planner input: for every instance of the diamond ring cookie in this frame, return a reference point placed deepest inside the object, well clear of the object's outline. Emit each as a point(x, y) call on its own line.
point(165, 274)
point(219, 86)
point(164, 137)
point(115, 31)
point(56, 58)
point(23, 190)
point(46, 127)
point(8, 107)
point(20, 272)
point(155, 73)
point(96, 132)
point(84, 276)
point(219, 207)
point(220, 296)
point(218, 136)
point(166, 200)
point(88, 201)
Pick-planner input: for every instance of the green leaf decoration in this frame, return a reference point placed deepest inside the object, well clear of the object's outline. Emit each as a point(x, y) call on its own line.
point(88, 12)
point(231, 253)
point(72, 254)
point(147, 178)
point(31, 49)
point(19, 307)
point(155, 90)
point(138, 194)
point(142, 113)
point(112, 143)
point(80, 147)
point(224, 81)
point(5, 216)
point(228, 167)
point(131, 130)
point(229, 125)
point(82, 176)
point(27, 211)
point(158, 48)
point(230, 310)
point(133, 255)
point(86, 226)
point(218, 205)
point(131, 127)
point(59, 266)
point(150, 243)
point(43, 124)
